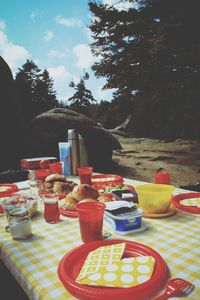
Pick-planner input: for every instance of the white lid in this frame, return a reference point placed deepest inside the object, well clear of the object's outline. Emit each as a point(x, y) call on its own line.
point(112, 205)
point(127, 215)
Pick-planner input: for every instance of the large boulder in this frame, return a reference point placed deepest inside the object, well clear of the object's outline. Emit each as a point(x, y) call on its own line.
point(46, 130)
point(9, 120)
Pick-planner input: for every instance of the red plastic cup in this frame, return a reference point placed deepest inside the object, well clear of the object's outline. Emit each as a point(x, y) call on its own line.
point(162, 178)
point(56, 168)
point(41, 174)
point(51, 209)
point(85, 175)
point(90, 216)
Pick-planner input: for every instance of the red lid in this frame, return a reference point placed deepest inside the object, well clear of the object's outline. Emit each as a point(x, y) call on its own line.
point(34, 163)
point(72, 262)
point(192, 209)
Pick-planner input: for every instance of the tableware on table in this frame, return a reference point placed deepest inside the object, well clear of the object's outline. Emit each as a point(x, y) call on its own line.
point(101, 181)
point(90, 215)
point(6, 189)
point(19, 200)
point(176, 287)
point(68, 213)
point(20, 223)
point(44, 164)
point(9, 203)
point(170, 212)
point(56, 168)
point(72, 262)
point(51, 209)
point(154, 198)
point(41, 174)
point(176, 201)
point(162, 177)
point(85, 175)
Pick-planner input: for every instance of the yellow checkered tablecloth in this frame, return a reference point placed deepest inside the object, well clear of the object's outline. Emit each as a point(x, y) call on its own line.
point(34, 262)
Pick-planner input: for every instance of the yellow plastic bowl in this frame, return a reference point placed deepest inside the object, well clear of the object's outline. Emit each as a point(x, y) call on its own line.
point(154, 198)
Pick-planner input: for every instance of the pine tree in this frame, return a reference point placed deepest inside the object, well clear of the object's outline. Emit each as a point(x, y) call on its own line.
point(82, 100)
point(44, 95)
point(150, 54)
point(35, 90)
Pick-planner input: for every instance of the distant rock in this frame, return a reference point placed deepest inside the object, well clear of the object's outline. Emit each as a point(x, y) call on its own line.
point(46, 130)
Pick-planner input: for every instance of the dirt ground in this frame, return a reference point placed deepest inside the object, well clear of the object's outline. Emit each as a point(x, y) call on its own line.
point(140, 158)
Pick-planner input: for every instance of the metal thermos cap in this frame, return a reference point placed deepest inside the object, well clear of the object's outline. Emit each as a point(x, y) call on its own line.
point(72, 134)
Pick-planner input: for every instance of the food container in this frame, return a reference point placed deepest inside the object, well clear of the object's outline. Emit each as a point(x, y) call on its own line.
point(20, 200)
point(126, 222)
point(101, 181)
point(126, 195)
point(6, 189)
point(34, 163)
point(154, 198)
point(20, 223)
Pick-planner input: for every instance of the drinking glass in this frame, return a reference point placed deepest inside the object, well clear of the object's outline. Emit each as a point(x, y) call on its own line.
point(51, 209)
point(85, 175)
point(90, 216)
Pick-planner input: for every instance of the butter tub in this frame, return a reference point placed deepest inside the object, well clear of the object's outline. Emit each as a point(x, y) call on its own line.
point(124, 223)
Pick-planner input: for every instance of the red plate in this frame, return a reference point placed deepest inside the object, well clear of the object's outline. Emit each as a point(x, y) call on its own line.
point(72, 262)
point(10, 188)
point(68, 213)
point(192, 209)
point(102, 180)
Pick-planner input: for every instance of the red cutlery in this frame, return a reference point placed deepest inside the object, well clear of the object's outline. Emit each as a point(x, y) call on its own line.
point(176, 287)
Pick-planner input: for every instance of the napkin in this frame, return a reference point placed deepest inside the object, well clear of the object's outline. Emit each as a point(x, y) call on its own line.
point(113, 271)
point(101, 257)
point(191, 202)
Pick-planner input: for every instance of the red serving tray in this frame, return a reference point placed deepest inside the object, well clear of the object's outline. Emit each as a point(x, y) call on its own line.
point(72, 262)
point(102, 180)
point(191, 209)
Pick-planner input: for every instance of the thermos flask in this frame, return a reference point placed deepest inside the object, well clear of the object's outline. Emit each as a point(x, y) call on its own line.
point(74, 150)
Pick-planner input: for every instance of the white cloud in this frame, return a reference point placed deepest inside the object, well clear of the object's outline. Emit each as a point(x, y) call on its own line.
point(84, 56)
point(118, 4)
point(100, 94)
point(58, 54)
point(87, 32)
point(48, 35)
point(34, 15)
point(68, 22)
point(13, 54)
point(2, 25)
point(61, 77)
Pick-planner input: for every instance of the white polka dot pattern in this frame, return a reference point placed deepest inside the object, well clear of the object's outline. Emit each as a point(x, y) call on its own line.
point(122, 273)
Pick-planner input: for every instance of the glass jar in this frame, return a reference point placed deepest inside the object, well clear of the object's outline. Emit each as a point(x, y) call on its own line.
point(20, 223)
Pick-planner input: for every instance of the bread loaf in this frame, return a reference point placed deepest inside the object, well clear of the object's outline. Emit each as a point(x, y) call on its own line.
point(56, 177)
point(83, 191)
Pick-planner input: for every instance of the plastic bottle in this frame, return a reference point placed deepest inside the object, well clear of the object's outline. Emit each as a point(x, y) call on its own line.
point(65, 157)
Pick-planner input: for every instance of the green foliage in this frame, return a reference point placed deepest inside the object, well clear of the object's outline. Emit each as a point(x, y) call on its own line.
point(82, 99)
point(34, 90)
point(150, 54)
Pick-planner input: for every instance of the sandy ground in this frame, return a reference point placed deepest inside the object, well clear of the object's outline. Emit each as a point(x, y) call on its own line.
point(140, 158)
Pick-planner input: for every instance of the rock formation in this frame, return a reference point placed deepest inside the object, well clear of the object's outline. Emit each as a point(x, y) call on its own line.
point(46, 130)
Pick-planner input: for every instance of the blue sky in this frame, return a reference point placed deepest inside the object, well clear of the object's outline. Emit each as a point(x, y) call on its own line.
point(54, 34)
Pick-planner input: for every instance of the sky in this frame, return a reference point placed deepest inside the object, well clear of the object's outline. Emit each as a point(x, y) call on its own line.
point(55, 35)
